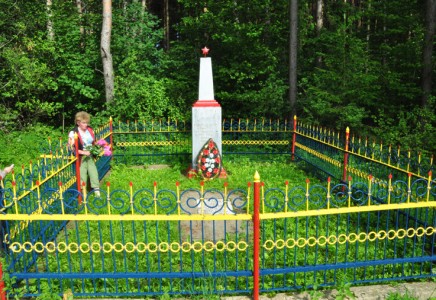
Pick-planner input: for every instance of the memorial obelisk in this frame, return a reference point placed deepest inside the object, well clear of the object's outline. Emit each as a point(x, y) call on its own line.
point(206, 114)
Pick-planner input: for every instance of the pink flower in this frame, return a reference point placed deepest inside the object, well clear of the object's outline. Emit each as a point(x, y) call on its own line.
point(107, 151)
point(102, 142)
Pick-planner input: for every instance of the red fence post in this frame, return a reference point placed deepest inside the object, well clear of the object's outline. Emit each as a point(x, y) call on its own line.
point(2, 284)
point(256, 236)
point(76, 146)
point(347, 140)
point(294, 137)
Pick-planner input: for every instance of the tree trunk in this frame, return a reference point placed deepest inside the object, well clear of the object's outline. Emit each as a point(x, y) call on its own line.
point(319, 15)
point(368, 28)
point(293, 48)
point(106, 56)
point(427, 51)
point(81, 28)
point(50, 31)
point(167, 25)
point(319, 23)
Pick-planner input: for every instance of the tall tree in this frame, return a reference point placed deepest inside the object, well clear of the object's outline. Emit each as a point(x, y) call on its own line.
point(427, 64)
point(293, 49)
point(319, 15)
point(166, 15)
point(319, 23)
point(80, 13)
point(105, 51)
point(50, 32)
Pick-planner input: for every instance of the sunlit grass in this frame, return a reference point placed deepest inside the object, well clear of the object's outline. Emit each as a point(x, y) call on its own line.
point(273, 173)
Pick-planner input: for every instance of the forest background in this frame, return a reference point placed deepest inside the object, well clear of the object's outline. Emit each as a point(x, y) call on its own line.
point(365, 64)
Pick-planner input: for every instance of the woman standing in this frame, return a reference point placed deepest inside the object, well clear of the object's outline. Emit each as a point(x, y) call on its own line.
point(86, 138)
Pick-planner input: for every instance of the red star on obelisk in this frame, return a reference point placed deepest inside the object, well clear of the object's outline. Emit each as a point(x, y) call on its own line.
point(205, 51)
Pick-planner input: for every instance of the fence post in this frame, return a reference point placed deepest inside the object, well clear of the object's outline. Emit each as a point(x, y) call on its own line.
point(294, 137)
point(256, 236)
point(2, 284)
point(347, 140)
point(76, 146)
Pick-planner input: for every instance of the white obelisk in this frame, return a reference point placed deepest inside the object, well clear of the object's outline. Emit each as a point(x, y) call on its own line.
point(206, 111)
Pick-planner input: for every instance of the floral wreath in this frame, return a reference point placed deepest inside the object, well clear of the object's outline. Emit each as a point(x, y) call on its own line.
point(209, 162)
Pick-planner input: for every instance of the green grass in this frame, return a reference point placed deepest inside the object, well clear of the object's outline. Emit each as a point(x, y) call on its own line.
point(239, 173)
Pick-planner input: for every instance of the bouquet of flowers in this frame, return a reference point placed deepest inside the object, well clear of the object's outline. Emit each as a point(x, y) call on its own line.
point(100, 148)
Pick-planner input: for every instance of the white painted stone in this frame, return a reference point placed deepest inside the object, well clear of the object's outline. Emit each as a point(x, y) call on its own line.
point(206, 124)
point(205, 86)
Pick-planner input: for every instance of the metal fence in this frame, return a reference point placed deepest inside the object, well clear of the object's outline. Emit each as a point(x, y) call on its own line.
point(340, 155)
point(152, 242)
point(167, 141)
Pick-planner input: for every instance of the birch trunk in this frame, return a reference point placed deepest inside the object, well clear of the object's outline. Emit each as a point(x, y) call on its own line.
point(319, 23)
point(50, 31)
point(106, 56)
point(319, 15)
point(81, 28)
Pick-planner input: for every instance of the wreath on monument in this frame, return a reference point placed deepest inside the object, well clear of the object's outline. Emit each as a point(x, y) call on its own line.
point(209, 162)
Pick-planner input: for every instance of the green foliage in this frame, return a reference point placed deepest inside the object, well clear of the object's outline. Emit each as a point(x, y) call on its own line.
point(29, 82)
point(410, 129)
point(361, 70)
point(13, 290)
point(399, 296)
point(21, 147)
point(140, 87)
point(249, 74)
point(142, 98)
point(344, 292)
point(344, 88)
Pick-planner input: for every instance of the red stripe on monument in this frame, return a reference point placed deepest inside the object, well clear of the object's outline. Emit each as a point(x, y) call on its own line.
point(206, 103)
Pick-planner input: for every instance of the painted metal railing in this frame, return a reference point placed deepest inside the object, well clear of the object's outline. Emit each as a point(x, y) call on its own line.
point(164, 141)
point(341, 155)
point(150, 241)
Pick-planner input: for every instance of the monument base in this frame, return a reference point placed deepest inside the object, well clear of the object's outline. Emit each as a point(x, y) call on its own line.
point(191, 173)
point(206, 124)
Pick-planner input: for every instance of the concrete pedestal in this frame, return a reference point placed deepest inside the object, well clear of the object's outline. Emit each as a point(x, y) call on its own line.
point(206, 124)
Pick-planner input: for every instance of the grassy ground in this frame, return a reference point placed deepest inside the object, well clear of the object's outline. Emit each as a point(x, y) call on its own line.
point(273, 173)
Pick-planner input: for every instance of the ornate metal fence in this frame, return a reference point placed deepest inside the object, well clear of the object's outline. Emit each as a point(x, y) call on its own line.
point(150, 241)
point(341, 155)
point(167, 141)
